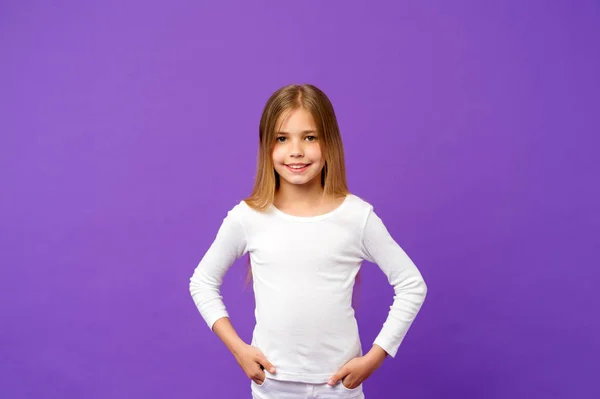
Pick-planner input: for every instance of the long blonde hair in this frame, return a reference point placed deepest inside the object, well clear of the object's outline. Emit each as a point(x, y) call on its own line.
point(286, 99)
point(333, 177)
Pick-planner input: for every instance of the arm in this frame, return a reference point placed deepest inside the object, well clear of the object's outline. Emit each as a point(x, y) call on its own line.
point(205, 288)
point(248, 357)
point(409, 287)
point(225, 331)
point(205, 283)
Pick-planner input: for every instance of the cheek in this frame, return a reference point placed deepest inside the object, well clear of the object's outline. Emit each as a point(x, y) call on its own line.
point(277, 155)
point(315, 153)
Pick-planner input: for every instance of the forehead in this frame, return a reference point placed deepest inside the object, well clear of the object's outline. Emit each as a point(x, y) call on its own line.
point(296, 121)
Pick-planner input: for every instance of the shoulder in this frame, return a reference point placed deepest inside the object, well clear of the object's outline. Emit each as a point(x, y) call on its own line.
point(358, 204)
point(245, 213)
point(357, 210)
point(238, 210)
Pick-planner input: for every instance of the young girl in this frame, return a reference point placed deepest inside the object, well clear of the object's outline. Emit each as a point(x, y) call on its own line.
point(307, 237)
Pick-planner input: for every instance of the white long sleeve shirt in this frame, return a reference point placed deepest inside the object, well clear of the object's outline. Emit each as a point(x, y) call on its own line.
point(303, 272)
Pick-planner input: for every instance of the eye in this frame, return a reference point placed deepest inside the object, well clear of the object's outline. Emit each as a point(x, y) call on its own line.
point(311, 138)
point(281, 139)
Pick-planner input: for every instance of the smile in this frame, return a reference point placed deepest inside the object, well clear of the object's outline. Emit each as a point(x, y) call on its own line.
point(297, 168)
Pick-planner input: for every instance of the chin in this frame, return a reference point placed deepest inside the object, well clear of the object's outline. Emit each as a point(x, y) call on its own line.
point(300, 180)
point(297, 182)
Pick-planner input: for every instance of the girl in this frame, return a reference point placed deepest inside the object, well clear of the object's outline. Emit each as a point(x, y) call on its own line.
point(307, 237)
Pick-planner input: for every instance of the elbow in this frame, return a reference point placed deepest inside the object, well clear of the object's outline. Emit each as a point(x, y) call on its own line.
point(423, 289)
point(421, 285)
point(196, 285)
point(419, 289)
point(415, 288)
point(192, 286)
point(202, 288)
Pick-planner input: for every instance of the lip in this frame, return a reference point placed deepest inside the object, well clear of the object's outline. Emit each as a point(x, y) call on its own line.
point(297, 170)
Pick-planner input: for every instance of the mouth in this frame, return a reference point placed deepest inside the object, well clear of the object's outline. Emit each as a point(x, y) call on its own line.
point(297, 167)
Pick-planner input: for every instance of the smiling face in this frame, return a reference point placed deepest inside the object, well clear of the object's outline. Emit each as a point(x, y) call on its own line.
point(297, 156)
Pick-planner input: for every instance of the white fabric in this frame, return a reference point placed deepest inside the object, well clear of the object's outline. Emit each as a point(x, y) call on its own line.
point(303, 274)
point(274, 389)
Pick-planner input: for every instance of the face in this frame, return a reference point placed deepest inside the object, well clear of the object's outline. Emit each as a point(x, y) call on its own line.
point(297, 154)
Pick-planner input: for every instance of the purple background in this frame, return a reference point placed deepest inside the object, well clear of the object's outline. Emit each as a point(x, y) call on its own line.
point(128, 131)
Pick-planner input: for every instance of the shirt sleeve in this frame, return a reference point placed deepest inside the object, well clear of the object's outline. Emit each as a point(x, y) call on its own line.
point(410, 289)
point(205, 283)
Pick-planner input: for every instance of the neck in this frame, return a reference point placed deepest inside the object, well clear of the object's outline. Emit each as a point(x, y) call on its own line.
point(306, 193)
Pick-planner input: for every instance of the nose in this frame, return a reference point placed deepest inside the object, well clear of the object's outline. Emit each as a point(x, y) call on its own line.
point(296, 150)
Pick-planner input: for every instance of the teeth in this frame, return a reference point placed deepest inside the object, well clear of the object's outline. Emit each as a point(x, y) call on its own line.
point(297, 166)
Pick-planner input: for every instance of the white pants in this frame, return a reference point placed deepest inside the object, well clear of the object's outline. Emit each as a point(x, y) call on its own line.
point(274, 389)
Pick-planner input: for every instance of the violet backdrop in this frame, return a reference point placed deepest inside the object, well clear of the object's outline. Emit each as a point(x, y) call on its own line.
point(129, 128)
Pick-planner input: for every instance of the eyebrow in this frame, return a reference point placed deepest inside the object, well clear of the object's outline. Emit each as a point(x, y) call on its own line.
point(302, 132)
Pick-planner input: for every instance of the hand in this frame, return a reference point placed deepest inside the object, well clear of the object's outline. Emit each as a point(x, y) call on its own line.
point(357, 370)
point(253, 362)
